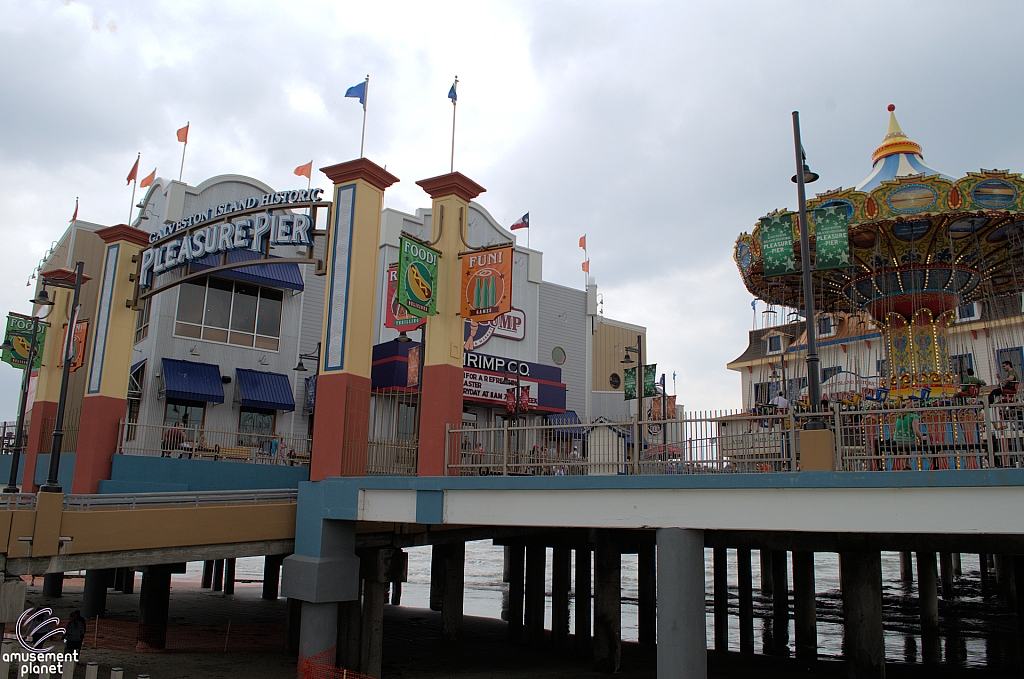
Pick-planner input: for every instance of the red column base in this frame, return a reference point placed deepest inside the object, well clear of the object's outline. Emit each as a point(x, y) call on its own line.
point(97, 441)
point(42, 412)
point(340, 426)
point(441, 404)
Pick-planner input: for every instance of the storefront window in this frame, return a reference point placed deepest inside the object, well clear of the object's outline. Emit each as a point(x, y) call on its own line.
point(219, 310)
point(189, 414)
point(142, 322)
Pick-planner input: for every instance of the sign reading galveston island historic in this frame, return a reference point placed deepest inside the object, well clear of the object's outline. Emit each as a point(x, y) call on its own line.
point(417, 277)
point(487, 284)
point(831, 238)
point(777, 245)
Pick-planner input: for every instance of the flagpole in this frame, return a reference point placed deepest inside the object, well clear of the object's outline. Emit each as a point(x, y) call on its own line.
point(366, 98)
point(182, 169)
point(455, 103)
point(135, 182)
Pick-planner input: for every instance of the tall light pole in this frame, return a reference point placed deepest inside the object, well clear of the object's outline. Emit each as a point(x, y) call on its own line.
point(52, 485)
point(19, 437)
point(627, 359)
point(804, 175)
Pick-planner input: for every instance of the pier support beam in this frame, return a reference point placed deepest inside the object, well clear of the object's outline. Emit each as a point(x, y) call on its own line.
point(608, 603)
point(721, 594)
point(154, 601)
point(906, 568)
point(453, 591)
point(946, 573)
point(350, 633)
point(745, 583)
point(536, 563)
point(371, 653)
point(272, 576)
point(207, 581)
point(682, 651)
point(218, 575)
point(861, 581)
point(53, 585)
point(647, 595)
point(318, 631)
point(436, 576)
point(927, 594)
point(766, 572)
point(780, 602)
point(561, 582)
point(986, 576)
point(805, 606)
point(94, 599)
point(1018, 576)
point(583, 594)
point(515, 592)
point(229, 576)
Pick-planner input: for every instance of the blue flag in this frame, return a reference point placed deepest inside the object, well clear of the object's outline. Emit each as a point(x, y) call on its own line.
point(357, 92)
point(452, 95)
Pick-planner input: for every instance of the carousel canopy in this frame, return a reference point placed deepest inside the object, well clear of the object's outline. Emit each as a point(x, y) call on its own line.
point(898, 156)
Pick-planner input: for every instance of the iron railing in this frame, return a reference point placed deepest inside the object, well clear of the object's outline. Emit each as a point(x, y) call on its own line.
point(174, 499)
point(198, 443)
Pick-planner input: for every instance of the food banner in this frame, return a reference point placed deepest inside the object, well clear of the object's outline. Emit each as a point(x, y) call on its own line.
point(487, 284)
point(650, 381)
point(417, 277)
point(777, 245)
point(397, 316)
point(19, 334)
point(831, 238)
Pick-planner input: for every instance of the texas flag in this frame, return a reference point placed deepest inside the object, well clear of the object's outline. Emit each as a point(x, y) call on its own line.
point(523, 223)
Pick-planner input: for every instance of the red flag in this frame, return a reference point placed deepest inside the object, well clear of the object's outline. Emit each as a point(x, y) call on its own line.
point(583, 241)
point(586, 266)
point(148, 179)
point(183, 134)
point(74, 217)
point(134, 174)
point(304, 170)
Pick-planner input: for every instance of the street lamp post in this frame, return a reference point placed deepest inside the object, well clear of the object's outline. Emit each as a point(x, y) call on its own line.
point(52, 485)
point(19, 437)
point(639, 351)
point(804, 175)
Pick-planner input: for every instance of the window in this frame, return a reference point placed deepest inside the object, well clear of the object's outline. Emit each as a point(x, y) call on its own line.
point(558, 355)
point(135, 382)
point(829, 372)
point(142, 321)
point(826, 326)
point(256, 421)
point(615, 380)
point(189, 414)
point(882, 367)
point(774, 344)
point(958, 365)
point(968, 312)
point(238, 313)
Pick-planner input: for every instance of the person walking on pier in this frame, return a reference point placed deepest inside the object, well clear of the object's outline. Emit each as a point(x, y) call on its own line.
point(74, 633)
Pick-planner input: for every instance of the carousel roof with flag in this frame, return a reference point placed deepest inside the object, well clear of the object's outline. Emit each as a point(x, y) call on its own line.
point(906, 237)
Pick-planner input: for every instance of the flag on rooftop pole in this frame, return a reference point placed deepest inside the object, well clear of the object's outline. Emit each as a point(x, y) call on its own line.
point(148, 179)
point(183, 138)
point(359, 92)
point(134, 173)
point(305, 171)
point(583, 242)
point(586, 266)
point(523, 223)
point(74, 217)
point(133, 176)
point(453, 95)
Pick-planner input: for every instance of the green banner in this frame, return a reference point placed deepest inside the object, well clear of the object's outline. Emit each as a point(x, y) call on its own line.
point(417, 277)
point(777, 245)
point(19, 334)
point(650, 381)
point(831, 238)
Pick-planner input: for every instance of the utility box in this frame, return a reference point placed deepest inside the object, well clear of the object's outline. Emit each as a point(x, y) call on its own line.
point(817, 450)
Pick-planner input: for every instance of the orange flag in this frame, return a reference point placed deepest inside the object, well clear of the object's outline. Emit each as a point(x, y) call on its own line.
point(586, 266)
point(148, 179)
point(304, 170)
point(583, 241)
point(134, 174)
point(74, 217)
point(183, 134)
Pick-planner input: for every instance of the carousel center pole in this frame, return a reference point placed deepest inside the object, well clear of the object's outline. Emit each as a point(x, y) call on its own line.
point(813, 373)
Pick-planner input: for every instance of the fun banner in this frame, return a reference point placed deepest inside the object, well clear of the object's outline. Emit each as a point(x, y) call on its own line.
point(417, 278)
point(397, 316)
point(831, 238)
point(777, 245)
point(487, 284)
point(19, 334)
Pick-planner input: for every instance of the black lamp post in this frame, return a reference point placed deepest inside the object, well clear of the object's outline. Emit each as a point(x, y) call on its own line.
point(805, 176)
point(52, 485)
point(627, 359)
point(19, 437)
point(314, 354)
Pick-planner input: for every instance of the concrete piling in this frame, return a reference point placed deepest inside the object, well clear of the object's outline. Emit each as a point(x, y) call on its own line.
point(318, 631)
point(436, 576)
point(607, 603)
point(721, 598)
point(536, 563)
point(946, 574)
point(780, 602)
point(647, 595)
point(292, 623)
point(452, 591)
point(53, 585)
point(271, 576)
point(805, 606)
point(229, 576)
point(396, 593)
point(863, 644)
point(154, 601)
point(744, 577)
point(906, 568)
point(985, 575)
point(766, 572)
point(350, 638)
point(583, 600)
point(207, 581)
point(218, 575)
point(94, 599)
point(927, 593)
point(516, 576)
point(682, 651)
point(561, 582)
point(371, 653)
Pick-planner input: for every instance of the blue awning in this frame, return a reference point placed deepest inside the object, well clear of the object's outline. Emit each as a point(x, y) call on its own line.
point(192, 381)
point(265, 390)
point(273, 275)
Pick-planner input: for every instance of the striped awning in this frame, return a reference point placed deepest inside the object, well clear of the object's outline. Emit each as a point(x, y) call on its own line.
point(258, 389)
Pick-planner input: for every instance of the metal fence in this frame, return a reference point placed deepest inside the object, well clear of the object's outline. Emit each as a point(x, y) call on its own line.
point(70, 441)
point(8, 435)
point(198, 443)
point(176, 499)
point(392, 442)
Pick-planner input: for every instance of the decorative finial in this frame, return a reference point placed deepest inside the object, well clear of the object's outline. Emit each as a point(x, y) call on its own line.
point(891, 108)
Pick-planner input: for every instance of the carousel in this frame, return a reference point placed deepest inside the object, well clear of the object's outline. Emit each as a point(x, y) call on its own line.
point(905, 248)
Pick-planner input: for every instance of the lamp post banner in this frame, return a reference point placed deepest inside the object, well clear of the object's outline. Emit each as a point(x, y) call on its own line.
point(831, 238)
point(19, 334)
point(777, 245)
point(487, 284)
point(417, 277)
point(650, 381)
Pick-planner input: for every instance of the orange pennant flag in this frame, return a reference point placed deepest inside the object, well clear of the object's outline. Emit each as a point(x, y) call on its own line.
point(304, 170)
point(583, 241)
point(134, 174)
point(148, 179)
point(586, 266)
point(183, 134)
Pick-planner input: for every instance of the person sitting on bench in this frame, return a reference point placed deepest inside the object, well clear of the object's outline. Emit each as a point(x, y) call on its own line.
point(1008, 387)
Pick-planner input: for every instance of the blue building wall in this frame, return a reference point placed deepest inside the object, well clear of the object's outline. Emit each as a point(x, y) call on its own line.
point(141, 474)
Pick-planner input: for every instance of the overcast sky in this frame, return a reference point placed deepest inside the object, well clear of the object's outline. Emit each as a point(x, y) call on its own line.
point(659, 130)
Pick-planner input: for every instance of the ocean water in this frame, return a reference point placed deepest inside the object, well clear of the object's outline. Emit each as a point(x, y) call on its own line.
point(975, 631)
